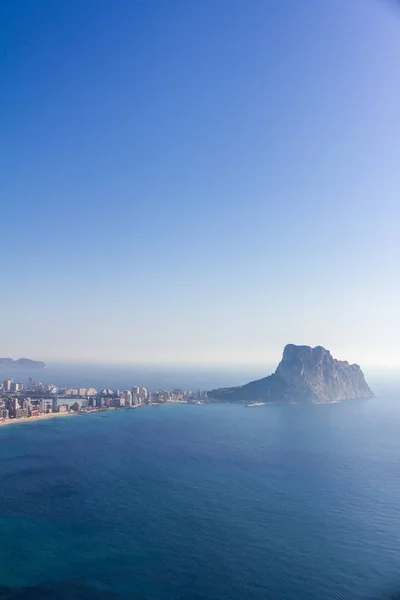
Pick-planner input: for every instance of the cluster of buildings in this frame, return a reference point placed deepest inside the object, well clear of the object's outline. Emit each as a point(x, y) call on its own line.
point(44, 398)
point(9, 385)
point(20, 406)
point(140, 396)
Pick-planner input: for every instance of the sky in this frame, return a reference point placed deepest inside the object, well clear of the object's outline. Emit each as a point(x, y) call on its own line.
point(199, 182)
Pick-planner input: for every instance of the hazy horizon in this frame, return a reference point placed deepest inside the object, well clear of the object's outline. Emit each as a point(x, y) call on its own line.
point(382, 380)
point(271, 363)
point(200, 183)
point(186, 364)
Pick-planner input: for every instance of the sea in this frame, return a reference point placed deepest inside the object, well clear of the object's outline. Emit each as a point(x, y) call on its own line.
point(204, 502)
point(124, 376)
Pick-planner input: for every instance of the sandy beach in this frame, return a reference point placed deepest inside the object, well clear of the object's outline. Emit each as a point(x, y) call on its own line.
point(36, 419)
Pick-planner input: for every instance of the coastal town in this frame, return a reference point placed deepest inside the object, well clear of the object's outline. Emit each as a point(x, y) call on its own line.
point(45, 400)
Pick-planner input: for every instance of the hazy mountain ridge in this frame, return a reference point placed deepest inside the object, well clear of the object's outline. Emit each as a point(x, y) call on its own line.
point(304, 374)
point(22, 362)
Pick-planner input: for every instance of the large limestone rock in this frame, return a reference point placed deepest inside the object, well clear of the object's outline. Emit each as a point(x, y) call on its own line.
point(304, 374)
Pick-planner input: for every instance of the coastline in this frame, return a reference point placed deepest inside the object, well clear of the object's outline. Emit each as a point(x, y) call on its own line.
point(49, 416)
point(46, 417)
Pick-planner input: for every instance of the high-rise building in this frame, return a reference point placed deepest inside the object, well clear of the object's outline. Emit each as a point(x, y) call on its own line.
point(128, 398)
point(54, 404)
point(16, 387)
point(13, 406)
point(135, 394)
point(7, 385)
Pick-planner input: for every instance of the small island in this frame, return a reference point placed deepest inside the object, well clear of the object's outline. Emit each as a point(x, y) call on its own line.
point(22, 363)
point(304, 374)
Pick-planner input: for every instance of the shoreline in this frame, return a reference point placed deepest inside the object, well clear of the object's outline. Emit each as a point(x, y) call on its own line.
point(50, 416)
point(45, 417)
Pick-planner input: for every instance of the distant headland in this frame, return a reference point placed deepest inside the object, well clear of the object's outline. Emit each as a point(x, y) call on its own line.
point(22, 363)
point(304, 374)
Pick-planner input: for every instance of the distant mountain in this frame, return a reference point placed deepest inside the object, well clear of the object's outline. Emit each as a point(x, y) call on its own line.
point(304, 374)
point(23, 363)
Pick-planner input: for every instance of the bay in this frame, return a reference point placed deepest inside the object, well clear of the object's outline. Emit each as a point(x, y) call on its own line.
point(208, 502)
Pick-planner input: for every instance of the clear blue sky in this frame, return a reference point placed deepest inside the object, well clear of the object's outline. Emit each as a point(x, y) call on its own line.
point(200, 181)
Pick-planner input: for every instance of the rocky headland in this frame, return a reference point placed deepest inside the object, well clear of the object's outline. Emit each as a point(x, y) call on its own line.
point(304, 374)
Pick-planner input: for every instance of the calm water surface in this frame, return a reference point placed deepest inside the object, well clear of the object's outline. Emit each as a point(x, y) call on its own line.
point(204, 502)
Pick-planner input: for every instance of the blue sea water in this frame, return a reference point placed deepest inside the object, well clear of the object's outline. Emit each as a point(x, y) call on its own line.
point(211, 502)
point(124, 376)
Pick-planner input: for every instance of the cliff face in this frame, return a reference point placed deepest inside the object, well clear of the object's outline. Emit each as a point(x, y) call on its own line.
point(325, 378)
point(304, 374)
